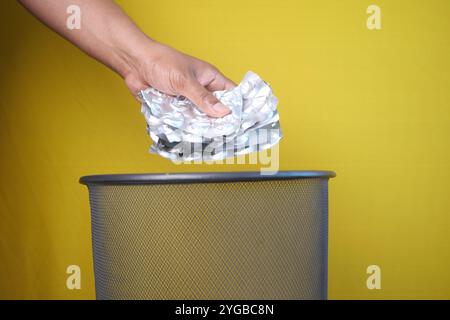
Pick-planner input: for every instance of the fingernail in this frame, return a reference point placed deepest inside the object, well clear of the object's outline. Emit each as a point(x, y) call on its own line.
point(221, 108)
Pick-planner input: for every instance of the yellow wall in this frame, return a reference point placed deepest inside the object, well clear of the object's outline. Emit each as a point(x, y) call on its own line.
point(372, 105)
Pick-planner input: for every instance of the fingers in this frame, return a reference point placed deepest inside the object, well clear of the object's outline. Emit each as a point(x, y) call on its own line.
point(220, 82)
point(204, 99)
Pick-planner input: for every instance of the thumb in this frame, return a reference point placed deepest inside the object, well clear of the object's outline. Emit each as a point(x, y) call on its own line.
point(204, 99)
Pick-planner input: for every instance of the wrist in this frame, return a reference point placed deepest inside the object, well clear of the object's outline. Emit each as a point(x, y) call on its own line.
point(134, 58)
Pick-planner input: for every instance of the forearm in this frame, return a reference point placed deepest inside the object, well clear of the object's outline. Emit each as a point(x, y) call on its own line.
point(107, 33)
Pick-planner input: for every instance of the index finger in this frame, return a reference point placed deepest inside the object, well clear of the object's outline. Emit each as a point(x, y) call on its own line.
point(220, 82)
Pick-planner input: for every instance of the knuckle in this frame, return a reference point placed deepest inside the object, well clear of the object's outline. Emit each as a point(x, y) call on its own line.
point(203, 96)
point(206, 98)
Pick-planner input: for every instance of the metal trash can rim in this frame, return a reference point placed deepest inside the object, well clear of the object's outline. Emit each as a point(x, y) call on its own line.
point(200, 177)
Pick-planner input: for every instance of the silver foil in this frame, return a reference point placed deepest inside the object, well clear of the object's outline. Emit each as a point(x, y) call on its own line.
point(182, 132)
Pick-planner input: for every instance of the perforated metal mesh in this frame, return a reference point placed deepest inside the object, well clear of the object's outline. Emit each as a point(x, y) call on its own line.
point(233, 240)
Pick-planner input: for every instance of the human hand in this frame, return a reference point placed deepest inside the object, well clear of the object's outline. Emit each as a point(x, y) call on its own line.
point(111, 37)
point(178, 74)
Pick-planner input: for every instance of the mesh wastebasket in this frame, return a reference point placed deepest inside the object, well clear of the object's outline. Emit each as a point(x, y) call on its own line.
point(210, 235)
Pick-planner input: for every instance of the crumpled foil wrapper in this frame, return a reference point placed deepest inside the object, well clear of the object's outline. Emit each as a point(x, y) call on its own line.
point(182, 132)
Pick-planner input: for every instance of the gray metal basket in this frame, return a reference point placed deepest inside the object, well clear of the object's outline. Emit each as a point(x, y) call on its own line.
point(210, 235)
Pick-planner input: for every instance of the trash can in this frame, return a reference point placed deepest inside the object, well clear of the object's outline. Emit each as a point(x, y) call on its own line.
point(228, 236)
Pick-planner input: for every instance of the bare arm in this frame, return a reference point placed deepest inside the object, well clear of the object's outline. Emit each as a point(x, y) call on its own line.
point(110, 36)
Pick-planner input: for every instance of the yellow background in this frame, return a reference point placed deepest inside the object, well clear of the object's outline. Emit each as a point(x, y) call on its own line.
point(372, 105)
